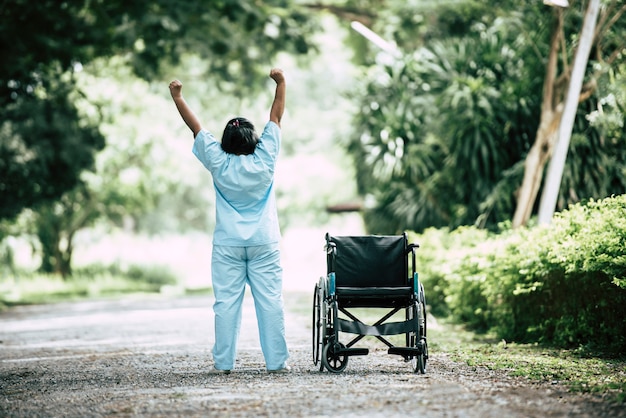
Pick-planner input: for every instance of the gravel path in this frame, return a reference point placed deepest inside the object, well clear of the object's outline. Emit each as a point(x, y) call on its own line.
point(151, 357)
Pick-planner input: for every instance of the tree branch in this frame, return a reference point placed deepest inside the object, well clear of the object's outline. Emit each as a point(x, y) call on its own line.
point(365, 17)
point(603, 27)
point(551, 68)
point(587, 90)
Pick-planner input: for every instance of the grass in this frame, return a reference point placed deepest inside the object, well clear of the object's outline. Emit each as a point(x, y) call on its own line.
point(581, 371)
point(578, 372)
point(42, 289)
point(96, 282)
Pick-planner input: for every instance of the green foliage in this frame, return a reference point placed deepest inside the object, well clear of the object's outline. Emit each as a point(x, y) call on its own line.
point(596, 161)
point(437, 134)
point(567, 293)
point(56, 223)
point(130, 175)
point(432, 20)
point(232, 36)
point(450, 287)
point(443, 131)
point(562, 285)
point(153, 275)
point(44, 144)
point(139, 176)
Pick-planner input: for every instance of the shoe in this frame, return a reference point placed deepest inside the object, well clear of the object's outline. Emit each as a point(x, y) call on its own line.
point(285, 369)
point(216, 370)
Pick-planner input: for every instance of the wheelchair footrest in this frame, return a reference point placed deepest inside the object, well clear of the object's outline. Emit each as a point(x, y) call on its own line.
point(405, 351)
point(353, 351)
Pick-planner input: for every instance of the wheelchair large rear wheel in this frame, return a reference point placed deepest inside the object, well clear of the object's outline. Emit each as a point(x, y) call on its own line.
point(318, 325)
point(423, 323)
point(417, 339)
point(334, 363)
point(423, 327)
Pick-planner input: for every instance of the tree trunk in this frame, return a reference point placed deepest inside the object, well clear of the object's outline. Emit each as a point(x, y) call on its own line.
point(536, 160)
point(547, 133)
point(54, 258)
point(554, 101)
point(48, 235)
point(55, 236)
point(550, 194)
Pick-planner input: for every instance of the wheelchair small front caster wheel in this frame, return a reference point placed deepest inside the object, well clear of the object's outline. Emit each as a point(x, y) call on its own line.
point(334, 363)
point(419, 361)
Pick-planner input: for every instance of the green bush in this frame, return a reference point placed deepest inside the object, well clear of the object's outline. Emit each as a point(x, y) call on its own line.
point(562, 284)
point(153, 276)
point(94, 280)
point(452, 289)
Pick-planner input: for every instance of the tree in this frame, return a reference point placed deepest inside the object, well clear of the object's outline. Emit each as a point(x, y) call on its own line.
point(443, 133)
point(607, 49)
point(134, 176)
point(439, 137)
point(44, 146)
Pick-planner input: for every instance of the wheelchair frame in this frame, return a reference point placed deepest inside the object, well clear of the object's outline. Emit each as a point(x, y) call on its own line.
point(329, 301)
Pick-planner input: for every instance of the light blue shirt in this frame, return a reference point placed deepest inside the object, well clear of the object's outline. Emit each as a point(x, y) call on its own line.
point(245, 203)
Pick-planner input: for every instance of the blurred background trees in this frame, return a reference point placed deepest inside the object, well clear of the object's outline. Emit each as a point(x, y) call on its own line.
point(437, 132)
point(47, 146)
point(47, 43)
point(444, 130)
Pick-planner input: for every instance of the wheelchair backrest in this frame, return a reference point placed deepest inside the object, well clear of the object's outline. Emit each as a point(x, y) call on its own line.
point(369, 261)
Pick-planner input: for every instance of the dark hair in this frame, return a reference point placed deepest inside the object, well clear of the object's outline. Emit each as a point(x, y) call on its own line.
point(239, 137)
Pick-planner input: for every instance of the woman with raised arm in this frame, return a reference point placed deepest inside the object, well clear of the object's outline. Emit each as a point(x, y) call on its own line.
point(247, 234)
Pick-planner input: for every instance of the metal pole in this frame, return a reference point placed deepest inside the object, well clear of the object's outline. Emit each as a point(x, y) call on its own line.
point(552, 185)
point(376, 39)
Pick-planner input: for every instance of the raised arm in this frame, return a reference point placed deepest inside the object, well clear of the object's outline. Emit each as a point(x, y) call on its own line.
point(278, 106)
point(176, 90)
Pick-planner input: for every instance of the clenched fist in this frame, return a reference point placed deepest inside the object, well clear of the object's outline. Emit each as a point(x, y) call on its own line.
point(176, 88)
point(277, 75)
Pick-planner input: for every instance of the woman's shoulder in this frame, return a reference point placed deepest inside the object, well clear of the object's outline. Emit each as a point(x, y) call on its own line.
point(269, 141)
point(208, 149)
point(271, 130)
point(205, 135)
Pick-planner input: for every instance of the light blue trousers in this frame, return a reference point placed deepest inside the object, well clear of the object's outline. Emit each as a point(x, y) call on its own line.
point(259, 267)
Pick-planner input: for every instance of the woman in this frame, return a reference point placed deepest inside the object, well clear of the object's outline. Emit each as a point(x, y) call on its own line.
point(247, 234)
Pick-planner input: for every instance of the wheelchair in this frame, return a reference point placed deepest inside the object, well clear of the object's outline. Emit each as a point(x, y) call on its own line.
point(369, 272)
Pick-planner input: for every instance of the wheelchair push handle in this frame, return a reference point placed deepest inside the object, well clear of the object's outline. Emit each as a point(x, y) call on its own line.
point(412, 246)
